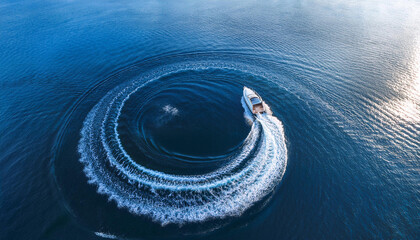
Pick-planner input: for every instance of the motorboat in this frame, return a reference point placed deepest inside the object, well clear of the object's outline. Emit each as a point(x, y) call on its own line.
point(253, 101)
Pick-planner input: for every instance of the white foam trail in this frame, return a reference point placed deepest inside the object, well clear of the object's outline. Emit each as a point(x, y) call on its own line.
point(170, 110)
point(105, 235)
point(249, 175)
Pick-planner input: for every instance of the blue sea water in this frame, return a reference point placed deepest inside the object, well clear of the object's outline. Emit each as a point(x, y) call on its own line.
point(123, 119)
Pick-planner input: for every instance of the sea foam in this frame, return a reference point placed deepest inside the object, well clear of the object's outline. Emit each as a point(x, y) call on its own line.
point(250, 173)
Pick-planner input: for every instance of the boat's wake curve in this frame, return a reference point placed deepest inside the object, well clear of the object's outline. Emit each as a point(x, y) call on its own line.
point(248, 175)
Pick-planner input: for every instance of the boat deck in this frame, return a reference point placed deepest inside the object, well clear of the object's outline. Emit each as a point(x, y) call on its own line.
point(259, 108)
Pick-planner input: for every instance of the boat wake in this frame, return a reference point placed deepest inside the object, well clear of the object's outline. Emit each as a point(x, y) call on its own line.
point(248, 174)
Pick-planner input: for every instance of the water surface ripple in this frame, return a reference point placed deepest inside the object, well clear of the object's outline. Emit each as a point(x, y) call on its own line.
point(123, 119)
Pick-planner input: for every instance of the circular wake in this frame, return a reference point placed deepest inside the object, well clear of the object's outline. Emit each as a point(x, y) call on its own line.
point(245, 177)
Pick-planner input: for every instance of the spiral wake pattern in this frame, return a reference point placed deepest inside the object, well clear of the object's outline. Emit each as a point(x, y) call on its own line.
point(247, 175)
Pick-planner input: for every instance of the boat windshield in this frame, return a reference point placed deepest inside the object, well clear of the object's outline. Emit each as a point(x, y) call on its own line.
point(255, 100)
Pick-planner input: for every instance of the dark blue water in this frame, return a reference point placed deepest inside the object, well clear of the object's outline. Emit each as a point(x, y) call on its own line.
point(124, 120)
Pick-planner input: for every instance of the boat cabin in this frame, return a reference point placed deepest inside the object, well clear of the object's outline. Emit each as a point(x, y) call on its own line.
point(257, 105)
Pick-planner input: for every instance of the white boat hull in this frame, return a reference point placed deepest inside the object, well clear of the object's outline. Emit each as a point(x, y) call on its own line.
point(257, 106)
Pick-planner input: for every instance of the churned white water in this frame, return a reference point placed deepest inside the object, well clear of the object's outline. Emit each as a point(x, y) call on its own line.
point(248, 175)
